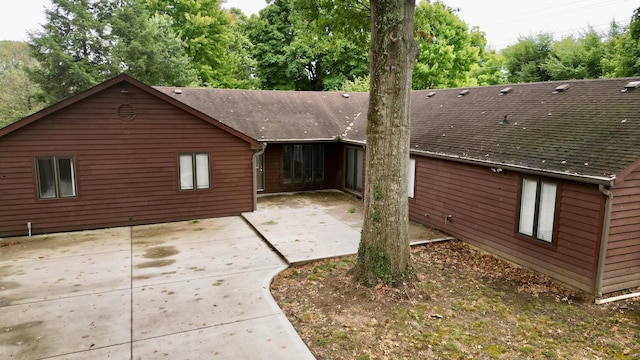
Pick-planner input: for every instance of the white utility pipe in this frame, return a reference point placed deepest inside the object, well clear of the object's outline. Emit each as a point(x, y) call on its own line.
point(617, 298)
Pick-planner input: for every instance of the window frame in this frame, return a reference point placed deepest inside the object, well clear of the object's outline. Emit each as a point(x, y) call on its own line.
point(302, 163)
point(539, 202)
point(55, 176)
point(196, 175)
point(354, 179)
point(411, 178)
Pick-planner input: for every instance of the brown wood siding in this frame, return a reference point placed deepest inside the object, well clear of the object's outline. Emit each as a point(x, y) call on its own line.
point(622, 264)
point(273, 170)
point(484, 212)
point(126, 171)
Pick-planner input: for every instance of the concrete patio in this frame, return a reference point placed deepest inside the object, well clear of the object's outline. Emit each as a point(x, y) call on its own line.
point(186, 290)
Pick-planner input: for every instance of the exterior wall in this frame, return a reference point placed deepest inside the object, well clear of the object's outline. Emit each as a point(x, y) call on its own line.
point(126, 170)
point(484, 207)
point(273, 170)
point(622, 264)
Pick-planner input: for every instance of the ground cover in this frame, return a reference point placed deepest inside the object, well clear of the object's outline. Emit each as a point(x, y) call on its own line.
point(465, 304)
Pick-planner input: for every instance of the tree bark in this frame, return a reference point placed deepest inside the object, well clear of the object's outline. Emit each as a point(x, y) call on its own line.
point(383, 254)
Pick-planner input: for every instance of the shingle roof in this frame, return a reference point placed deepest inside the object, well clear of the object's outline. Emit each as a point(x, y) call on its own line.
point(589, 129)
point(278, 115)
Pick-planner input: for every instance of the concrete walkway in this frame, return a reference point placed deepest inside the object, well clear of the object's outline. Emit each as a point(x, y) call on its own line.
point(188, 290)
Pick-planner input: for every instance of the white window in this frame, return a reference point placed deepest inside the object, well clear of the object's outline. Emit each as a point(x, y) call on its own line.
point(194, 171)
point(537, 208)
point(56, 177)
point(412, 177)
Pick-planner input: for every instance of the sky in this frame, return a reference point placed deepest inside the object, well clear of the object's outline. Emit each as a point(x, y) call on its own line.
point(503, 21)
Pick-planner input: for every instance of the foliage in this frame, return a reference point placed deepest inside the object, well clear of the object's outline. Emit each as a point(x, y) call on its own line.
point(576, 58)
point(205, 29)
point(624, 53)
point(490, 70)
point(524, 60)
point(358, 84)
point(17, 98)
point(296, 47)
point(448, 50)
point(72, 48)
point(147, 48)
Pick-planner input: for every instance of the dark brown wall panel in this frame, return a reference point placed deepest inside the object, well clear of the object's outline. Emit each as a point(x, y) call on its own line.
point(483, 206)
point(622, 269)
point(126, 170)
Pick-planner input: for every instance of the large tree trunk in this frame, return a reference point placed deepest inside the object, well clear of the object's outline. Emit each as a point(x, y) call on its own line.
point(384, 254)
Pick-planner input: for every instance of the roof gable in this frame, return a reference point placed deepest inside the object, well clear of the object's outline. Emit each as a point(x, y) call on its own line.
point(123, 81)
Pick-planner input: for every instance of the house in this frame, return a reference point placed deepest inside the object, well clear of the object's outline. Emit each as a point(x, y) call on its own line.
point(120, 154)
point(546, 175)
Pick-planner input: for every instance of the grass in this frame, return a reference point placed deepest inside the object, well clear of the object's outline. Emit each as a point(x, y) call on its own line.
point(465, 304)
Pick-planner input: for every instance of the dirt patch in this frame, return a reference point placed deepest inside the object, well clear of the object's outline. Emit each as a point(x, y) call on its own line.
point(160, 252)
point(155, 263)
point(465, 304)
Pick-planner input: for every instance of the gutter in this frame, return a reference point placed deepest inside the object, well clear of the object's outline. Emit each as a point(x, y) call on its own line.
point(254, 161)
point(597, 180)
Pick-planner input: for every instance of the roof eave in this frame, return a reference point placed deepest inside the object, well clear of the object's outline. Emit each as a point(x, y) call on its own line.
point(589, 179)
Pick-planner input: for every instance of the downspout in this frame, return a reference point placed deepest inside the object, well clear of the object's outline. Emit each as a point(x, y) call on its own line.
point(606, 223)
point(255, 174)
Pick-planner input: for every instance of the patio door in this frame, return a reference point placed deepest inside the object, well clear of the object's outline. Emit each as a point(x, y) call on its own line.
point(353, 169)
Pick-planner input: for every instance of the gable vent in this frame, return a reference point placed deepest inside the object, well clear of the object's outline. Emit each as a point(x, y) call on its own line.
point(126, 112)
point(431, 94)
point(631, 85)
point(506, 90)
point(561, 88)
point(463, 92)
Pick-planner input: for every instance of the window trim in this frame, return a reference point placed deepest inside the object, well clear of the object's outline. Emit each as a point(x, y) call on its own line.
point(304, 153)
point(538, 204)
point(358, 186)
point(57, 192)
point(411, 178)
point(195, 186)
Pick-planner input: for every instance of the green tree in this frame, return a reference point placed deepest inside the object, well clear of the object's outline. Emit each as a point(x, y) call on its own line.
point(448, 50)
point(623, 58)
point(383, 254)
point(524, 60)
point(205, 28)
point(146, 47)
point(490, 70)
point(294, 49)
point(17, 98)
point(576, 58)
point(239, 55)
point(72, 48)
